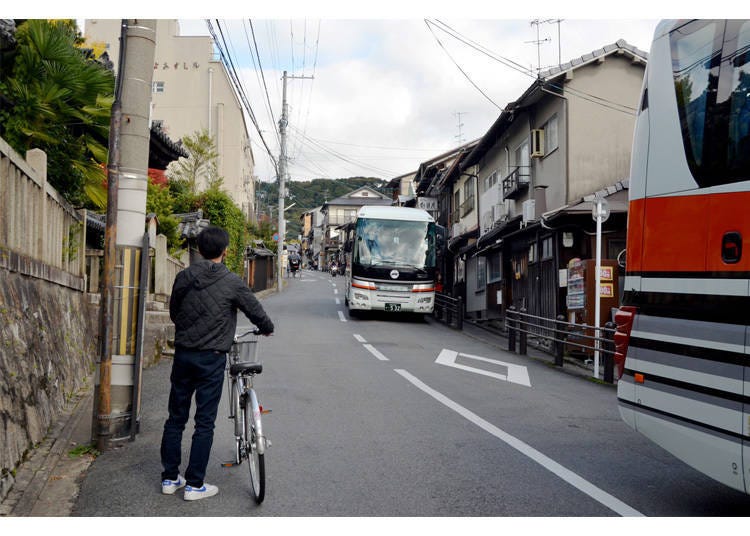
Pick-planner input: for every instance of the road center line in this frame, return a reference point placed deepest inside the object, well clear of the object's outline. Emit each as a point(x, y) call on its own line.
point(567, 475)
point(359, 338)
point(370, 348)
point(341, 316)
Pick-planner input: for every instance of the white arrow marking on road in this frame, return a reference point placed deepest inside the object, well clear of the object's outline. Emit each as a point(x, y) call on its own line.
point(516, 373)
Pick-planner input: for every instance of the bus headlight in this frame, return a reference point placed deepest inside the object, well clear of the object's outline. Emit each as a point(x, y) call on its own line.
point(363, 297)
point(425, 299)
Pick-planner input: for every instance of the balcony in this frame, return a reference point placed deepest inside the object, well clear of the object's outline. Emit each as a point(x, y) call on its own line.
point(517, 183)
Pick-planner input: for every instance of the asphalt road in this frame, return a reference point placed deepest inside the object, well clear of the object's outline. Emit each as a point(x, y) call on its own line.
point(391, 417)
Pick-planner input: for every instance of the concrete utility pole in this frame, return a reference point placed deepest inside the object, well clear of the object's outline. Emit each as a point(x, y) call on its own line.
point(115, 397)
point(283, 123)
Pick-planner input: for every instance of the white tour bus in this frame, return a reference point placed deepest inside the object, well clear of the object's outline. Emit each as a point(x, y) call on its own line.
point(391, 260)
point(683, 338)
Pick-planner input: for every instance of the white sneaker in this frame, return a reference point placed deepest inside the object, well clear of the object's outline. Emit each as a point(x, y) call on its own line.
point(207, 490)
point(168, 487)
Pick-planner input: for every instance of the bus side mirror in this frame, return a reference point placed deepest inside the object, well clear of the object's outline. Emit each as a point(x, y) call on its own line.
point(440, 237)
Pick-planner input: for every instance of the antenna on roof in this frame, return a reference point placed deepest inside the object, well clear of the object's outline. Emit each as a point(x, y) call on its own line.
point(538, 43)
point(460, 136)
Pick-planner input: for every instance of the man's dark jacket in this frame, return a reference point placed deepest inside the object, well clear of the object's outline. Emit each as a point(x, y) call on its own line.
point(204, 303)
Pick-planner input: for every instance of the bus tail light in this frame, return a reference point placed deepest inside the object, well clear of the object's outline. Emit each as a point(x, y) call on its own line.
point(624, 321)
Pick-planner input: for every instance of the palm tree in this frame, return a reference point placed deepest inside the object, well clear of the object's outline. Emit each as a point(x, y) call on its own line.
point(60, 102)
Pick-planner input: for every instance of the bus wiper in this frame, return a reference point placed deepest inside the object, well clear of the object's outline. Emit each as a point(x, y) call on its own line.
point(402, 264)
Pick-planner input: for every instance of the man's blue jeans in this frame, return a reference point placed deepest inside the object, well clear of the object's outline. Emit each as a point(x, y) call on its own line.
point(202, 373)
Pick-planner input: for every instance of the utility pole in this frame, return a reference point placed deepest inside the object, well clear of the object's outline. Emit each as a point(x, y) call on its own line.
point(123, 292)
point(283, 123)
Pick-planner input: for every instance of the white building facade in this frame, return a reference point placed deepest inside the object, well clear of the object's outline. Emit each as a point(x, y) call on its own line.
point(191, 91)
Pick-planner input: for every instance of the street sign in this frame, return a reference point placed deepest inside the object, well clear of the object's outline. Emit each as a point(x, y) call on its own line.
point(275, 237)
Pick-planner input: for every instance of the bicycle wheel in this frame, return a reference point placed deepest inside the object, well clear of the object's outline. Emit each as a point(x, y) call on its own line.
point(255, 460)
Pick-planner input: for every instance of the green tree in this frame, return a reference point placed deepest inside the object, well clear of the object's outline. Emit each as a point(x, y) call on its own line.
point(59, 101)
point(159, 201)
point(201, 164)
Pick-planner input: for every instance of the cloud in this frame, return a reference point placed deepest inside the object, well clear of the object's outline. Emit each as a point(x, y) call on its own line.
point(386, 95)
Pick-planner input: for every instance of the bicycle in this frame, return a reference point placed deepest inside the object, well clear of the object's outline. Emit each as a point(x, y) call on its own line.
point(246, 411)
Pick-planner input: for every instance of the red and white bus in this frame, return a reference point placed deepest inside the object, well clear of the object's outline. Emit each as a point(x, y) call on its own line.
point(683, 333)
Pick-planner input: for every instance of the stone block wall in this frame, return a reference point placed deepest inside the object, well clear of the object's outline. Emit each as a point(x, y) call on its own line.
point(48, 352)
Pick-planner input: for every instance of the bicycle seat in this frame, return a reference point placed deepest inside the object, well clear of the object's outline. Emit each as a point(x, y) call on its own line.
point(245, 368)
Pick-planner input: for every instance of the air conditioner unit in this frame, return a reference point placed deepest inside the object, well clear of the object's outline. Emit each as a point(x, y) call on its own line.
point(529, 210)
point(537, 142)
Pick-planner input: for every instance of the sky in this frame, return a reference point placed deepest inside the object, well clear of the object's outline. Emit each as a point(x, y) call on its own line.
point(380, 89)
point(380, 96)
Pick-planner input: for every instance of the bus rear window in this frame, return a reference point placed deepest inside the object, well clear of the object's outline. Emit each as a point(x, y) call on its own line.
point(711, 70)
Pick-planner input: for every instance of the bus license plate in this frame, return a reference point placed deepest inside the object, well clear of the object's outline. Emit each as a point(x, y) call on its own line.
point(392, 306)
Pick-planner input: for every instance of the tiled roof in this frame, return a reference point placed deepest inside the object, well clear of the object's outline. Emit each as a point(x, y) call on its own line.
point(620, 44)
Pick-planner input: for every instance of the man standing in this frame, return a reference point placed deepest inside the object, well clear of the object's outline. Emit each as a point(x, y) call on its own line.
point(203, 306)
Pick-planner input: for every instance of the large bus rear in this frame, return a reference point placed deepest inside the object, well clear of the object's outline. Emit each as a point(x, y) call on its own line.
point(392, 260)
point(682, 340)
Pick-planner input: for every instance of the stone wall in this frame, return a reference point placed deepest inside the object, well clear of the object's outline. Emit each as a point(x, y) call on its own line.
point(48, 350)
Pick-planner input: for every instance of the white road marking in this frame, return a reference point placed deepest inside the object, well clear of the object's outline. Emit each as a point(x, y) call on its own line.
point(516, 373)
point(598, 494)
point(359, 338)
point(335, 291)
point(338, 301)
point(341, 316)
point(370, 348)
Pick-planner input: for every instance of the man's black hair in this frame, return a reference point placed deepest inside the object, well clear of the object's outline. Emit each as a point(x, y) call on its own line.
point(212, 241)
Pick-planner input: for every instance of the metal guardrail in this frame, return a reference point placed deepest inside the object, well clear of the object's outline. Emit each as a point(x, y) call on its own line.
point(563, 334)
point(449, 310)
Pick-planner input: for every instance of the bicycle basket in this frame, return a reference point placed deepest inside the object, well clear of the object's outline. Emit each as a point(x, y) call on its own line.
point(245, 349)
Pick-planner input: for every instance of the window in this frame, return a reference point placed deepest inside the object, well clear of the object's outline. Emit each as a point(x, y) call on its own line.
point(481, 273)
point(157, 87)
point(547, 250)
point(532, 252)
point(494, 267)
point(550, 135)
point(523, 160)
point(490, 181)
point(711, 72)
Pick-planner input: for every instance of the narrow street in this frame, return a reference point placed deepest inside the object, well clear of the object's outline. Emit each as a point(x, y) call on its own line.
point(386, 417)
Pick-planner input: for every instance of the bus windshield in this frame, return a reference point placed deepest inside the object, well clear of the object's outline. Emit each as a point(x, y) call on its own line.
point(394, 243)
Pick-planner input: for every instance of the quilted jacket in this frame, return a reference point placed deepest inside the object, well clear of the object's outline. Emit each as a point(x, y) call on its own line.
point(204, 303)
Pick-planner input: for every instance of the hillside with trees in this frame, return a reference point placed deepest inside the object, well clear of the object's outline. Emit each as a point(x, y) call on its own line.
point(308, 195)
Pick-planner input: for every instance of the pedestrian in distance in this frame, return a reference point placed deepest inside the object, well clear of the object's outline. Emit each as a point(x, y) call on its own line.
point(203, 306)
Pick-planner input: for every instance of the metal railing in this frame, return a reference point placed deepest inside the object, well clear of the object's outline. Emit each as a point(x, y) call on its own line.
point(516, 182)
point(563, 335)
point(449, 310)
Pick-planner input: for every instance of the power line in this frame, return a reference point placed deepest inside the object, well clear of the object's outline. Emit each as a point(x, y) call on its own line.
point(260, 68)
point(429, 27)
point(229, 64)
point(518, 67)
